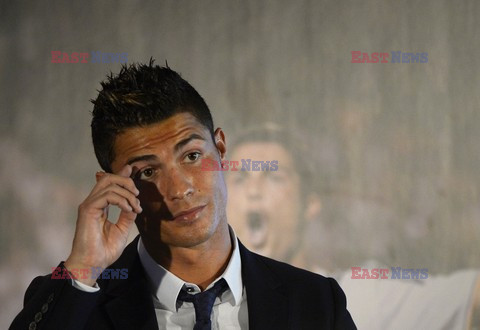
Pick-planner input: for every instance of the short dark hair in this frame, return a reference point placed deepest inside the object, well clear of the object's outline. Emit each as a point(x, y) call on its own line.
point(140, 95)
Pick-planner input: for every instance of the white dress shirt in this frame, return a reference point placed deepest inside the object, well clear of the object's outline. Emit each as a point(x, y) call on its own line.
point(229, 310)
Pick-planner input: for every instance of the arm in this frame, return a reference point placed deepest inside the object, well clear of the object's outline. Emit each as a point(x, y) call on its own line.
point(49, 302)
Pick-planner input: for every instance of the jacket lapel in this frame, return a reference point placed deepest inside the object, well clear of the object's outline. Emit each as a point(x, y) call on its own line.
point(266, 297)
point(130, 304)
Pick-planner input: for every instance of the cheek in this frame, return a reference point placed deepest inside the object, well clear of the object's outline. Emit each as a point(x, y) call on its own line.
point(280, 195)
point(286, 204)
point(221, 190)
point(236, 196)
point(149, 194)
point(211, 183)
point(234, 205)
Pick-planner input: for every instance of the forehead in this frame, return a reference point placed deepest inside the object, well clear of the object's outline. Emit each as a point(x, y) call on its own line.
point(165, 134)
point(262, 150)
point(266, 151)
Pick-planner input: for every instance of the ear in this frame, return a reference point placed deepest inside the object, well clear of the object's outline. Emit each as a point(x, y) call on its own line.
point(313, 207)
point(220, 143)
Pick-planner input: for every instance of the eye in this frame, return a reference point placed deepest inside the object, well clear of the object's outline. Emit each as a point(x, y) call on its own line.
point(275, 177)
point(193, 156)
point(146, 174)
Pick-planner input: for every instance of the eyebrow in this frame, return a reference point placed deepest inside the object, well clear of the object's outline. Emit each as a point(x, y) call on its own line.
point(186, 141)
point(177, 147)
point(141, 158)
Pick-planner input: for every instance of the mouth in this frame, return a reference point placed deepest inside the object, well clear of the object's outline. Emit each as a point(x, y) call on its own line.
point(188, 215)
point(257, 225)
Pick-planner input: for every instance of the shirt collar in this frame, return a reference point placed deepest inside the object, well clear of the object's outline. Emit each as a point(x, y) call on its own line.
point(166, 285)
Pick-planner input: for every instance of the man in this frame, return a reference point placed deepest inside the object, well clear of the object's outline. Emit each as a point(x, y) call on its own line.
point(272, 212)
point(151, 130)
point(270, 209)
point(276, 212)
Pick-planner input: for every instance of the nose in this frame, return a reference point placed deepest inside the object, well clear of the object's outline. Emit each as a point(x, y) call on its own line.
point(254, 187)
point(177, 185)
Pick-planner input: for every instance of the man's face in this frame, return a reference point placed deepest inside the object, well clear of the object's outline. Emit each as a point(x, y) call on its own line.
point(264, 206)
point(183, 206)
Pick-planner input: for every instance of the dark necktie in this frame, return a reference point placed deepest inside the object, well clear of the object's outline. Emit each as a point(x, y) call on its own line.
point(203, 303)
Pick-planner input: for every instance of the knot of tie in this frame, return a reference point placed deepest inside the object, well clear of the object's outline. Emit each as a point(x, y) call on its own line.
point(203, 303)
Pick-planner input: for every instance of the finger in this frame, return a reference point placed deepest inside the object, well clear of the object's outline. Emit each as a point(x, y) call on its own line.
point(133, 201)
point(126, 171)
point(101, 201)
point(99, 175)
point(126, 220)
point(105, 212)
point(108, 179)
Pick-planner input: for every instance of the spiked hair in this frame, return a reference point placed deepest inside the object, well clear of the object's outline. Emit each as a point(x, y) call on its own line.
point(141, 95)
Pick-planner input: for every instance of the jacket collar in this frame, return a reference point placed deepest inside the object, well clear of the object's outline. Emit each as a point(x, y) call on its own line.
point(130, 302)
point(166, 285)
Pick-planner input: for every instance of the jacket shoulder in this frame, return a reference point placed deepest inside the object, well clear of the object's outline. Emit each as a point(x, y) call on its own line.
point(314, 297)
point(291, 274)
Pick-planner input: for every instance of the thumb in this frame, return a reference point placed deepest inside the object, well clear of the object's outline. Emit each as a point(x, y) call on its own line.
point(126, 220)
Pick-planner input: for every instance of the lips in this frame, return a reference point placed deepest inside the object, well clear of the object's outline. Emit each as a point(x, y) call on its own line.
point(188, 215)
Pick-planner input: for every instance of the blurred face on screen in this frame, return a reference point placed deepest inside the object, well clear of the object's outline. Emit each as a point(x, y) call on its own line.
point(264, 207)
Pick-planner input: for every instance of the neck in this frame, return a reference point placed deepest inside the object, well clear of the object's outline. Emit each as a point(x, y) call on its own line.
point(200, 264)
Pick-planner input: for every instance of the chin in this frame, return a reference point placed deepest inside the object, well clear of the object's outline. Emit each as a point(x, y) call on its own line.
point(190, 236)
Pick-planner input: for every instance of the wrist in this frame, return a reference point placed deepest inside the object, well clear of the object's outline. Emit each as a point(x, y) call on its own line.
point(80, 273)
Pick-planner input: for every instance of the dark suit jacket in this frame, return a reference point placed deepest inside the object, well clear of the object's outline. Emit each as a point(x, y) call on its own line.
point(279, 296)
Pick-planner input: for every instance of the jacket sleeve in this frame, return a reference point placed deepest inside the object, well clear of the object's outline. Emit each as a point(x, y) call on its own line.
point(343, 319)
point(52, 303)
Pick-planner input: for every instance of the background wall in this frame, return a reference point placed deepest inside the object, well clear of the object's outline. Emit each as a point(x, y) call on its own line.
point(400, 136)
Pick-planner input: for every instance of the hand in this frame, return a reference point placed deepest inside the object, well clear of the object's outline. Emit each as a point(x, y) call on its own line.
point(99, 242)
